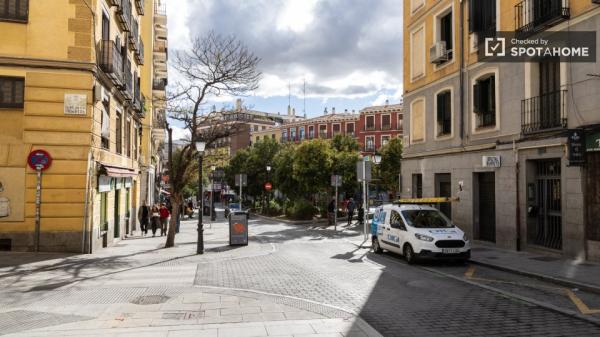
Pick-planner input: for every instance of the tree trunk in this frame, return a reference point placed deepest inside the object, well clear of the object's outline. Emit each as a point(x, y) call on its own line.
point(176, 200)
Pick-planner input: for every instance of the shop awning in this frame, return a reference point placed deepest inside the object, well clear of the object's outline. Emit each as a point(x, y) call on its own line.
point(118, 171)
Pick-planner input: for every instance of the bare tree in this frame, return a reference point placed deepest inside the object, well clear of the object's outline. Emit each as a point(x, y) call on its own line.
point(213, 66)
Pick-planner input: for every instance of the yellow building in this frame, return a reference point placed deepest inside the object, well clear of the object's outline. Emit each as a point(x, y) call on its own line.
point(74, 82)
point(495, 134)
point(271, 132)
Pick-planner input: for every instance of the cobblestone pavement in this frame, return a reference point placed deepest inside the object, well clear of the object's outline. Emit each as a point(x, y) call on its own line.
point(396, 299)
point(292, 280)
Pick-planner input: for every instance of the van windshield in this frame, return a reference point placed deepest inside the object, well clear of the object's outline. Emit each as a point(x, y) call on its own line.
point(419, 218)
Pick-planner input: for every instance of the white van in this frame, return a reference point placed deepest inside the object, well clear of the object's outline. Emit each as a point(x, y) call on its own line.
point(418, 232)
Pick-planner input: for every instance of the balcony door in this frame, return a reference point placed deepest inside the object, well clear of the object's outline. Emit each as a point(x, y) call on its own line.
point(550, 93)
point(105, 27)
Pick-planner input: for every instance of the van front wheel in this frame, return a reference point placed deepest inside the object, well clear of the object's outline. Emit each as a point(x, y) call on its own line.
point(409, 254)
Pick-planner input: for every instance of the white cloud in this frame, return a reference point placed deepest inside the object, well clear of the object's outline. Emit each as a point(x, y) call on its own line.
point(296, 15)
point(180, 133)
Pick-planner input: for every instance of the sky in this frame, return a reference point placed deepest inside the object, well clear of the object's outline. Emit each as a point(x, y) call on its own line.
point(348, 52)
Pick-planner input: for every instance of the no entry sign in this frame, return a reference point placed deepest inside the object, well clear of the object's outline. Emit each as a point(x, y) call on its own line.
point(268, 186)
point(39, 160)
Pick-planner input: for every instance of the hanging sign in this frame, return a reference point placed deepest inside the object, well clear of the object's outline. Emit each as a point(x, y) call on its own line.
point(576, 147)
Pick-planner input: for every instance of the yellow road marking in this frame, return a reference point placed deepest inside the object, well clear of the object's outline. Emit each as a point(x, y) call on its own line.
point(583, 308)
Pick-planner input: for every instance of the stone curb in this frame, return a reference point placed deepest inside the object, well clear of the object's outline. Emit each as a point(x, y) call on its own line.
point(557, 280)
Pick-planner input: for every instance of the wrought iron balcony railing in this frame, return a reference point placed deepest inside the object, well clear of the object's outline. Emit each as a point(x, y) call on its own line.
point(139, 54)
point(124, 15)
point(128, 79)
point(532, 16)
point(544, 113)
point(159, 84)
point(111, 61)
point(139, 4)
point(134, 36)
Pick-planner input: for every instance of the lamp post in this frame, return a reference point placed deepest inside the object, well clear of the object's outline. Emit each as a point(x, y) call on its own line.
point(212, 192)
point(200, 244)
point(269, 191)
point(377, 161)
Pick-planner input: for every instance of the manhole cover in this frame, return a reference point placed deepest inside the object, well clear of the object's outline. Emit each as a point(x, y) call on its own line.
point(182, 315)
point(544, 258)
point(150, 299)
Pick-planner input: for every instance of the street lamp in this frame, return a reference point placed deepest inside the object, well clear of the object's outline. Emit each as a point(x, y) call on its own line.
point(212, 191)
point(200, 146)
point(377, 159)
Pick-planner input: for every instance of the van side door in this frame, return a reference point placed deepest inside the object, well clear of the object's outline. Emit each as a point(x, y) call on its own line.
point(398, 231)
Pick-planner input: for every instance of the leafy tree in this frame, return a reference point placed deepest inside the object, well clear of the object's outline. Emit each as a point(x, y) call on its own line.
point(214, 65)
point(312, 166)
point(391, 156)
point(284, 179)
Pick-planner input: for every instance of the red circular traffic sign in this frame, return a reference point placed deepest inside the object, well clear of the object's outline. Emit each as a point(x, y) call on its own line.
point(268, 186)
point(39, 160)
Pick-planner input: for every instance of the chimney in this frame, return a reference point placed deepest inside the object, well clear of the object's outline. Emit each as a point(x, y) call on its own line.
point(214, 108)
point(289, 110)
point(345, 111)
point(333, 110)
point(387, 102)
point(294, 112)
point(353, 111)
point(325, 112)
point(238, 104)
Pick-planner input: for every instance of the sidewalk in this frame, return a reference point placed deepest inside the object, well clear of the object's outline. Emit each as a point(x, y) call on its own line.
point(570, 273)
point(137, 288)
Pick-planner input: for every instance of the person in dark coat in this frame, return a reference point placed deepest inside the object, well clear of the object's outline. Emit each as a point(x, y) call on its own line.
point(351, 206)
point(144, 217)
point(331, 208)
point(155, 220)
point(361, 214)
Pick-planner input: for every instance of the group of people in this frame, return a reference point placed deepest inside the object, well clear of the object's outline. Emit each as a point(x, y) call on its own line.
point(349, 206)
point(154, 217)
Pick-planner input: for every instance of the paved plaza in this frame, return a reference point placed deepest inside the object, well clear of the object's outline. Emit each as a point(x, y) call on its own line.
point(291, 280)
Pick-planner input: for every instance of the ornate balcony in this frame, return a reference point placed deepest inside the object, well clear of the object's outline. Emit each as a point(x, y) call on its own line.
point(111, 61)
point(124, 15)
point(532, 16)
point(128, 79)
point(544, 113)
point(139, 5)
point(139, 54)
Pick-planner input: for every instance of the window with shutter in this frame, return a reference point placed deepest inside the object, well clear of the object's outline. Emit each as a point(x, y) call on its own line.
point(14, 10)
point(484, 101)
point(444, 113)
point(12, 92)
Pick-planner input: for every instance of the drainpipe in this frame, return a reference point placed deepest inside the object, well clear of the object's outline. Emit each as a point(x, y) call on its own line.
point(85, 243)
point(518, 209)
point(462, 70)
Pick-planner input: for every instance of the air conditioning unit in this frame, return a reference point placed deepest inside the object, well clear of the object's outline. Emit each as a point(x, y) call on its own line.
point(437, 53)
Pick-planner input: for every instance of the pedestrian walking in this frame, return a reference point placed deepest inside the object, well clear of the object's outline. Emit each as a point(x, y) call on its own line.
point(155, 220)
point(144, 216)
point(164, 219)
point(190, 209)
point(361, 214)
point(351, 206)
point(331, 208)
point(180, 215)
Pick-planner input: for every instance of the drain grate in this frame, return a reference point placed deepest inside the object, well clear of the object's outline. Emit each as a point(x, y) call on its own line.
point(544, 258)
point(150, 299)
point(23, 320)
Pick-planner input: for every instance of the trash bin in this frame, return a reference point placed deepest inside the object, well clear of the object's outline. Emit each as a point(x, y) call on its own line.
point(238, 229)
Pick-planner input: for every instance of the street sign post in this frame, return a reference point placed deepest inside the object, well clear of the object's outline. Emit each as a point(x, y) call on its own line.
point(241, 180)
point(363, 174)
point(39, 160)
point(336, 181)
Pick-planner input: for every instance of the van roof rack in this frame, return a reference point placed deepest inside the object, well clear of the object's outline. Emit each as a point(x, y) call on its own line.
point(426, 201)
